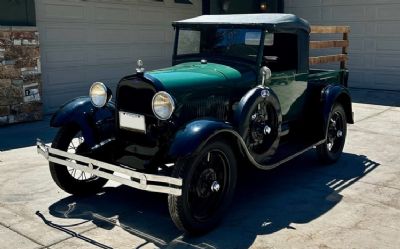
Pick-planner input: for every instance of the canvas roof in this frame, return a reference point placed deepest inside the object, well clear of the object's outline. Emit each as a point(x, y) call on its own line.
point(273, 22)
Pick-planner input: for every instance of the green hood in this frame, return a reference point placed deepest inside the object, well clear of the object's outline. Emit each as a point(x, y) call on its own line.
point(194, 77)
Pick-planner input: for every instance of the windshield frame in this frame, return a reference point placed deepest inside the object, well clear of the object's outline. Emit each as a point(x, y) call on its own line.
point(193, 57)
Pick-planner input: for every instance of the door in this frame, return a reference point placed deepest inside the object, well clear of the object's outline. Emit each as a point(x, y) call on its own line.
point(281, 57)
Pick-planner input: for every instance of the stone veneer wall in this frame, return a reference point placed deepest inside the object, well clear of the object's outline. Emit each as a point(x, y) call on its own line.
point(20, 82)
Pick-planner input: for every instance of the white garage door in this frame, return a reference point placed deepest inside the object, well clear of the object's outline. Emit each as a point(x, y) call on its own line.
point(101, 40)
point(374, 38)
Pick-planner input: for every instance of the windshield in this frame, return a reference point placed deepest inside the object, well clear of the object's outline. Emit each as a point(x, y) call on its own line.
point(211, 41)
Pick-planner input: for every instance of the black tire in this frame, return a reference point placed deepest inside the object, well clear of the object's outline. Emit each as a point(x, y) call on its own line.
point(187, 210)
point(336, 131)
point(60, 173)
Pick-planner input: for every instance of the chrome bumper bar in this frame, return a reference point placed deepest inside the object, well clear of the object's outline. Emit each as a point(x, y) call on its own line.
point(147, 182)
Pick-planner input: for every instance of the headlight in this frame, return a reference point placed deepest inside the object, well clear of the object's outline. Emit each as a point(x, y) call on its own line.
point(163, 105)
point(99, 94)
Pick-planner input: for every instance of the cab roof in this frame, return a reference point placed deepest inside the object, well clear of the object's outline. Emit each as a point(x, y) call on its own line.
point(272, 22)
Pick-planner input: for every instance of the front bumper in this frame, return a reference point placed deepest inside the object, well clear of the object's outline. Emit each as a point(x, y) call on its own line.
point(147, 182)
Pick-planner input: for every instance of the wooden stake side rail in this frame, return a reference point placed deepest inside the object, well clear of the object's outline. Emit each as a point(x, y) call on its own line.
point(328, 59)
point(329, 44)
point(344, 44)
point(329, 29)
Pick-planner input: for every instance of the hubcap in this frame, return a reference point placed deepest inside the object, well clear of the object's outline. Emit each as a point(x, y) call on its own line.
point(215, 186)
point(335, 132)
point(261, 128)
point(207, 188)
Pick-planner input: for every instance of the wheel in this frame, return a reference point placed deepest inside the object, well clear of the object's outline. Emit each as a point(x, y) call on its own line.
point(331, 150)
point(69, 138)
point(209, 181)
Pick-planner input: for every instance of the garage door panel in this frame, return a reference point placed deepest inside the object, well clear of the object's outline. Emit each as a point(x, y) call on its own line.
point(115, 71)
point(312, 13)
point(303, 3)
point(150, 35)
point(387, 61)
point(62, 34)
point(388, 12)
point(61, 10)
point(65, 77)
point(107, 55)
point(388, 28)
point(358, 2)
point(347, 13)
point(390, 45)
point(105, 14)
point(357, 45)
point(148, 16)
point(149, 50)
point(63, 58)
point(112, 34)
point(55, 100)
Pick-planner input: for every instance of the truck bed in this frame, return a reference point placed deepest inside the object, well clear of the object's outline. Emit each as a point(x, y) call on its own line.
point(327, 76)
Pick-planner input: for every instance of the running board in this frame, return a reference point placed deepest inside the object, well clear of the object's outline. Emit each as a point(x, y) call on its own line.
point(285, 157)
point(159, 184)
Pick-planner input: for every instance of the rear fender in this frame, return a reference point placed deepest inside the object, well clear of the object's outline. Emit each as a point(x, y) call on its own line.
point(337, 94)
point(95, 123)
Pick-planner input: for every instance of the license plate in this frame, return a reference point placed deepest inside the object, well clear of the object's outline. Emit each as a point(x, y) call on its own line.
point(132, 121)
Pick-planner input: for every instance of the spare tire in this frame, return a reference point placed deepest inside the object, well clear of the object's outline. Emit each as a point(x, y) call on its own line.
point(259, 120)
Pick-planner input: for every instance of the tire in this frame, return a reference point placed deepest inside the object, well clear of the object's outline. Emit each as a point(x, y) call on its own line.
point(202, 204)
point(335, 134)
point(63, 176)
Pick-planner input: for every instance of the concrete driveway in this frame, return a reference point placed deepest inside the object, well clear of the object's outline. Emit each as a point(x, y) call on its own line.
point(352, 204)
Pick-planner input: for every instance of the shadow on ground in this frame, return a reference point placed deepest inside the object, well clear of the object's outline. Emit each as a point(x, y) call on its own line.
point(266, 202)
point(25, 134)
point(375, 97)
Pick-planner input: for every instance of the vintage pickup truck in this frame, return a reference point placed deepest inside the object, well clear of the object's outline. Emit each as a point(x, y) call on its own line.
point(239, 93)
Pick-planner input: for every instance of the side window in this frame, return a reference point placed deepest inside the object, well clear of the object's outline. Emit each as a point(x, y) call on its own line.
point(280, 52)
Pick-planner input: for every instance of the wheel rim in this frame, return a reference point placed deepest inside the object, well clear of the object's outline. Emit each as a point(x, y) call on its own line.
point(335, 135)
point(78, 146)
point(208, 187)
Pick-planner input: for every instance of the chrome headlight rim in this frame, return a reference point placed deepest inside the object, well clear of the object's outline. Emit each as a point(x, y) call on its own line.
point(105, 93)
point(171, 102)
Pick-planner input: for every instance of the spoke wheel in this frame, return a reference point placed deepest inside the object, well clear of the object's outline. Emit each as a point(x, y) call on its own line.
point(209, 181)
point(70, 139)
point(78, 146)
point(331, 150)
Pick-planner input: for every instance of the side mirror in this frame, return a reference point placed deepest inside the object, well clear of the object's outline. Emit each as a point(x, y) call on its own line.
point(265, 74)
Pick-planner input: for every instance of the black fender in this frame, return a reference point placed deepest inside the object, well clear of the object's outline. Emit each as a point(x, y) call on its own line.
point(336, 94)
point(194, 135)
point(191, 139)
point(243, 112)
point(95, 123)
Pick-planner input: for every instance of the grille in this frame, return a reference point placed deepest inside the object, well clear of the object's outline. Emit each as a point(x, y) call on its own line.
point(213, 106)
point(134, 96)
